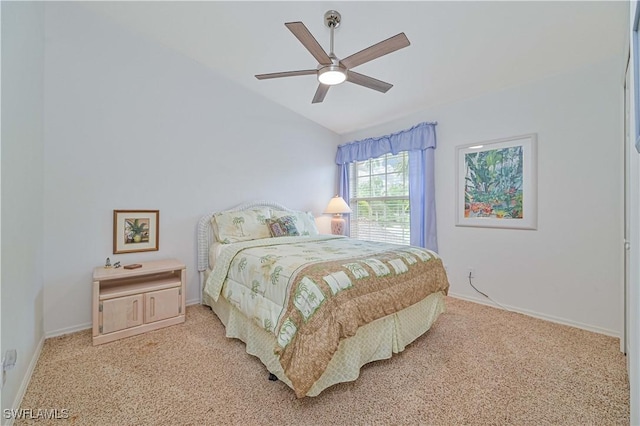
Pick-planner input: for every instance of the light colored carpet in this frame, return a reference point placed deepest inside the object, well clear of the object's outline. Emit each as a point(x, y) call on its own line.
point(477, 365)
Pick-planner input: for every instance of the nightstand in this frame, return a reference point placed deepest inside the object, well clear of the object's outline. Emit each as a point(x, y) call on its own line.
point(127, 302)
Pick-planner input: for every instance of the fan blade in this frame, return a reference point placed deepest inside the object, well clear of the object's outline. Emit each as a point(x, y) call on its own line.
point(306, 38)
point(368, 82)
point(320, 93)
point(389, 45)
point(285, 74)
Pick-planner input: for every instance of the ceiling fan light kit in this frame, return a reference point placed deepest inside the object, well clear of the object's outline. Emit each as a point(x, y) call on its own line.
point(331, 70)
point(332, 75)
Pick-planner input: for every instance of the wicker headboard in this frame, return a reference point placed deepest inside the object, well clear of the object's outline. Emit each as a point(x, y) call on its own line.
point(205, 232)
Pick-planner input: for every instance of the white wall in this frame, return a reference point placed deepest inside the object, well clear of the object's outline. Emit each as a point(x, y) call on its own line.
point(569, 269)
point(22, 190)
point(130, 124)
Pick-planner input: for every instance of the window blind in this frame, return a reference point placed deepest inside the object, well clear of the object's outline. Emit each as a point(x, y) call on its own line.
point(380, 199)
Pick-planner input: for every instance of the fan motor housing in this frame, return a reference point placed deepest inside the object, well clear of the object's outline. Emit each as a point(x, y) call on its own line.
point(332, 18)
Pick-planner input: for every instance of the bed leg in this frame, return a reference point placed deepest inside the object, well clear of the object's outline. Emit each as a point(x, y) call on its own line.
point(273, 377)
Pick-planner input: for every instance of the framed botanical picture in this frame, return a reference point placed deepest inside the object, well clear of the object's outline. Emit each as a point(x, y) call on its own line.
point(497, 183)
point(135, 230)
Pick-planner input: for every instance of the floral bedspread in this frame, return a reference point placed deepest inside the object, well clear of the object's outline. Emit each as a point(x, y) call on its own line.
point(311, 292)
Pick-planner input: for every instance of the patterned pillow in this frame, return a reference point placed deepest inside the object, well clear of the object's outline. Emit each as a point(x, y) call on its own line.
point(304, 221)
point(283, 226)
point(244, 225)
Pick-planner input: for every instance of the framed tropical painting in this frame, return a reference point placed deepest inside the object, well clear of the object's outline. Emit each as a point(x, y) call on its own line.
point(497, 183)
point(135, 230)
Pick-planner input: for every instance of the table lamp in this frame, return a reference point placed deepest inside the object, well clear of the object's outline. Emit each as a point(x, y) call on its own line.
point(337, 207)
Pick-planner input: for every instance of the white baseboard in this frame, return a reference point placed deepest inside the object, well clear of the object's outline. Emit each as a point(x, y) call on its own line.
point(25, 380)
point(539, 315)
point(67, 330)
point(85, 326)
point(486, 302)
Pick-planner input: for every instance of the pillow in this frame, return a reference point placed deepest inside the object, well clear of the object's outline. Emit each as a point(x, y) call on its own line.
point(242, 225)
point(304, 221)
point(282, 227)
point(214, 252)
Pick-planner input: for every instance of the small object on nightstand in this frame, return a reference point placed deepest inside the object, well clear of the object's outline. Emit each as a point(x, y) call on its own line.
point(107, 264)
point(133, 266)
point(116, 265)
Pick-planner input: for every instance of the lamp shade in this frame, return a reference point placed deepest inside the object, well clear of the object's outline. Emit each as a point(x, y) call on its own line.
point(337, 205)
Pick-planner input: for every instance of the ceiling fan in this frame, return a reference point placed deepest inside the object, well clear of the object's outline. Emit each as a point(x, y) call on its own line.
point(331, 70)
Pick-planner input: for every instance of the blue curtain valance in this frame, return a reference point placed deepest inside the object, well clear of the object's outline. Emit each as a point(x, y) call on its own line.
point(419, 137)
point(420, 141)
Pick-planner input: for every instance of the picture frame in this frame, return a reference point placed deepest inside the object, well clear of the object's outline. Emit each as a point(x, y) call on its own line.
point(135, 231)
point(496, 183)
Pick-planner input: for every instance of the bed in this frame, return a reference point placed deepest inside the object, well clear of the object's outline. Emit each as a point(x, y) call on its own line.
point(314, 308)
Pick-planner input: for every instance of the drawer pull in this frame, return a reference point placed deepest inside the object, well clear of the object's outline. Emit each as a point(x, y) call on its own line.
point(135, 310)
point(153, 306)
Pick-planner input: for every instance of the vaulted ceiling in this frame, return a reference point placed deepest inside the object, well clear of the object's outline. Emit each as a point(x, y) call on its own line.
point(458, 49)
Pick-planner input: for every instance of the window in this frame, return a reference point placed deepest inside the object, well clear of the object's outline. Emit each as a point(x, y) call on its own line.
point(379, 190)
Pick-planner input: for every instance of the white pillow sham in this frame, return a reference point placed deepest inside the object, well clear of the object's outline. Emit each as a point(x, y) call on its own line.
point(244, 225)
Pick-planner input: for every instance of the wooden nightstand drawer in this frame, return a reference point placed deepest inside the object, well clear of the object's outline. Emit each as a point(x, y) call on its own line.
point(121, 313)
point(159, 305)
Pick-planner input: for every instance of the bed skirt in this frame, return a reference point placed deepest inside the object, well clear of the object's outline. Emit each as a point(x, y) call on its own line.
point(374, 341)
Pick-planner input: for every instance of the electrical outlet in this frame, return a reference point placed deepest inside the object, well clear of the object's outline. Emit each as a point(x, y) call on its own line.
point(8, 362)
point(471, 272)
